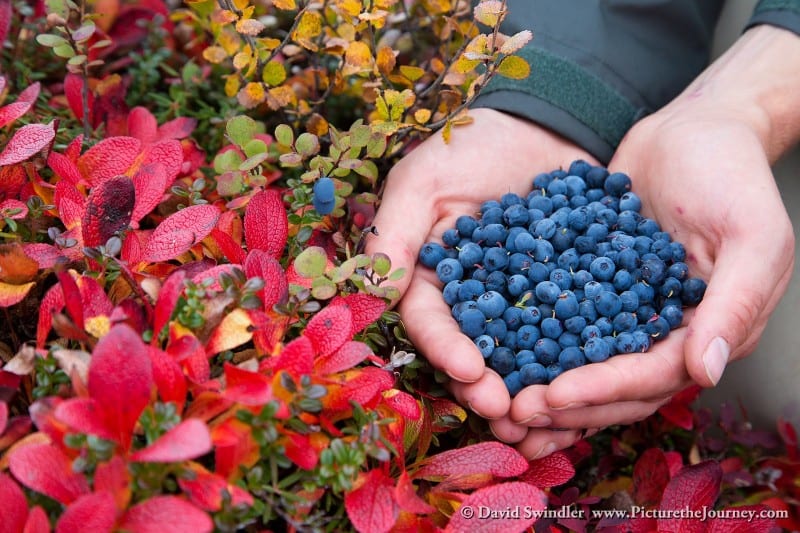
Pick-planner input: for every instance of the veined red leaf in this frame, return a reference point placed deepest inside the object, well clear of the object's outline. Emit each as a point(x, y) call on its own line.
point(266, 224)
point(108, 158)
point(230, 249)
point(329, 329)
point(674, 462)
point(550, 471)
point(73, 90)
point(180, 231)
point(73, 149)
point(169, 153)
point(46, 255)
point(165, 513)
point(177, 128)
point(741, 523)
point(142, 124)
point(133, 245)
point(108, 210)
point(72, 298)
point(205, 490)
point(84, 415)
point(37, 522)
point(234, 448)
point(694, 487)
point(149, 182)
point(493, 458)
point(297, 357)
point(27, 141)
point(5, 24)
point(46, 469)
point(3, 416)
point(70, 204)
point(167, 299)
point(15, 506)
point(169, 379)
point(407, 498)
point(65, 168)
point(259, 263)
point(650, 477)
point(187, 440)
point(678, 410)
point(364, 389)
point(204, 273)
point(13, 209)
point(113, 477)
point(12, 180)
point(120, 380)
point(94, 512)
point(189, 352)
point(245, 387)
point(371, 506)
point(94, 299)
point(365, 309)
point(299, 450)
point(11, 112)
point(402, 403)
point(346, 357)
point(510, 495)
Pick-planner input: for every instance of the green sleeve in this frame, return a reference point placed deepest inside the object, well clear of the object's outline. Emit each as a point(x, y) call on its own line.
point(782, 13)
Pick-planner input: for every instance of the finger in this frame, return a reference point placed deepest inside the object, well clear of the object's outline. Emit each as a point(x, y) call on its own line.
point(432, 329)
point(658, 373)
point(507, 431)
point(487, 397)
point(747, 276)
point(539, 443)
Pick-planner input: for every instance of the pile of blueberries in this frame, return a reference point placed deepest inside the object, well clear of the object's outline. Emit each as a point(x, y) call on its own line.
point(572, 274)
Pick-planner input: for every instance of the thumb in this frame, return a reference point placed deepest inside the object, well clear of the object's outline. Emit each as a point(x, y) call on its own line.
point(735, 307)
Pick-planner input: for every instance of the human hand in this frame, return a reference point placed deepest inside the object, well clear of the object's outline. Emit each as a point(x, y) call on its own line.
point(702, 172)
point(425, 193)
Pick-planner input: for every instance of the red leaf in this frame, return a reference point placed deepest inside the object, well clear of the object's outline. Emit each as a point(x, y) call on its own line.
point(187, 440)
point(46, 255)
point(167, 299)
point(179, 232)
point(493, 458)
point(84, 415)
point(788, 434)
point(94, 512)
point(3, 416)
point(329, 329)
point(267, 330)
point(73, 149)
point(7, 206)
point(142, 124)
point(550, 471)
point(108, 210)
point(245, 387)
point(674, 462)
point(515, 495)
point(52, 302)
point(15, 506)
point(402, 403)
point(365, 309)
point(26, 99)
point(169, 153)
point(150, 182)
point(406, 496)
point(205, 490)
point(114, 478)
point(165, 513)
point(70, 204)
point(363, 389)
point(741, 523)
point(37, 521)
point(266, 224)
point(5, 24)
point(276, 288)
point(64, 167)
point(12, 179)
point(695, 487)
point(94, 298)
point(298, 449)
point(678, 411)
point(108, 158)
point(650, 477)
point(346, 357)
point(169, 379)
point(27, 141)
point(72, 297)
point(177, 128)
point(230, 248)
point(297, 357)
point(73, 90)
point(371, 507)
point(46, 469)
point(120, 380)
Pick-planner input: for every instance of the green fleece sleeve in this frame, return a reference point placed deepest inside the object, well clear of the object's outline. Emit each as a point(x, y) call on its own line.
point(782, 13)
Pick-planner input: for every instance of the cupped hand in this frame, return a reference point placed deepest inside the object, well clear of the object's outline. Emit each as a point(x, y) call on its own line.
point(705, 177)
point(425, 193)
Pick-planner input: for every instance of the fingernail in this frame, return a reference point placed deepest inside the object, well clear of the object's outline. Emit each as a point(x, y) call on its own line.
point(570, 405)
point(715, 358)
point(538, 420)
point(546, 450)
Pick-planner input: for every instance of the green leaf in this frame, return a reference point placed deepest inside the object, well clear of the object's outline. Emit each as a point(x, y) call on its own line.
point(376, 145)
point(359, 136)
point(59, 7)
point(284, 135)
point(64, 50)
point(84, 32)
point(368, 169)
point(292, 159)
point(254, 147)
point(274, 73)
point(50, 40)
point(77, 60)
point(514, 67)
point(240, 129)
point(323, 289)
point(252, 162)
point(307, 144)
point(227, 161)
point(342, 272)
point(311, 262)
point(350, 164)
point(397, 275)
point(381, 264)
point(230, 183)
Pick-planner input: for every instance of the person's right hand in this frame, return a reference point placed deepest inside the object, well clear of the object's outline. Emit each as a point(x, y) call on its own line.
point(425, 193)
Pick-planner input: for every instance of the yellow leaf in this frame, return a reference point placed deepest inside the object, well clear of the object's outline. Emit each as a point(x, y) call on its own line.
point(358, 54)
point(251, 95)
point(489, 12)
point(280, 97)
point(514, 67)
point(350, 7)
point(229, 40)
point(284, 4)
point(412, 73)
point(232, 85)
point(12, 294)
point(97, 326)
point(233, 331)
point(317, 125)
point(241, 60)
point(446, 131)
point(463, 65)
point(215, 54)
point(268, 43)
point(274, 73)
point(422, 115)
point(250, 26)
point(223, 16)
point(385, 60)
point(310, 26)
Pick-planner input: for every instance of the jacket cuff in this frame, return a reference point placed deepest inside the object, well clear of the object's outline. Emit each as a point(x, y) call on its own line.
point(781, 13)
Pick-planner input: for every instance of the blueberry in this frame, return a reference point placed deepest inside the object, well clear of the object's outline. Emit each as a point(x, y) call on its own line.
point(516, 215)
point(545, 229)
point(575, 324)
point(540, 202)
point(578, 168)
point(502, 360)
point(496, 234)
point(657, 327)
point(460, 307)
point(519, 263)
point(510, 340)
point(492, 304)
point(431, 253)
point(564, 239)
point(630, 202)
point(578, 219)
point(670, 288)
point(587, 310)
point(644, 313)
point(485, 345)
point(673, 315)
point(531, 315)
point(472, 323)
point(465, 225)
point(627, 222)
point(566, 306)
point(630, 301)
point(645, 292)
point(450, 292)
point(449, 269)
point(525, 357)
point(497, 328)
point(493, 215)
point(592, 289)
point(617, 184)
point(525, 243)
point(324, 198)
point(513, 383)
point(596, 177)
point(470, 289)
point(541, 181)
point(538, 272)
point(647, 227)
point(451, 237)
point(678, 252)
point(596, 349)
point(495, 259)
point(602, 269)
point(590, 332)
point(624, 322)
point(693, 291)
point(585, 244)
point(533, 374)
point(551, 328)
point(622, 280)
point(512, 316)
point(489, 204)
point(547, 292)
point(641, 340)
point(568, 260)
point(496, 281)
point(625, 343)
point(546, 350)
point(567, 340)
point(571, 357)
point(608, 217)
point(557, 186)
point(628, 259)
point(678, 270)
point(470, 255)
point(597, 231)
point(581, 278)
point(608, 304)
point(562, 278)
point(653, 271)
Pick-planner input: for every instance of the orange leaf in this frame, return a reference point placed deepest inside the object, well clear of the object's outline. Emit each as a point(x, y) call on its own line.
point(233, 331)
point(15, 266)
point(13, 294)
point(206, 490)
